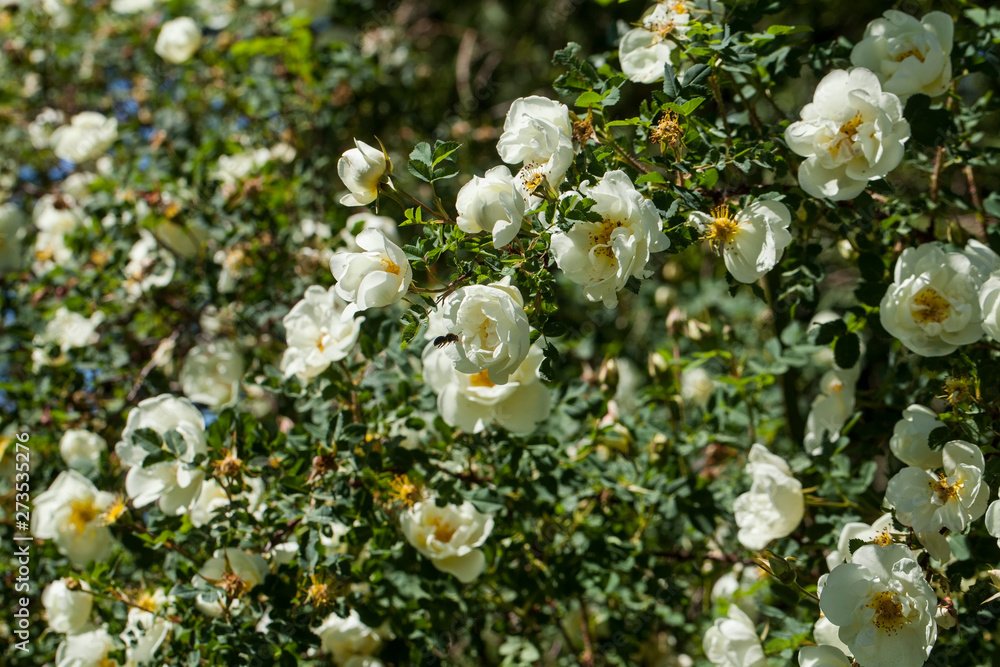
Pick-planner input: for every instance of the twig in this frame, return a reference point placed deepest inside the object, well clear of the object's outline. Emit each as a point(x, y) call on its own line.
point(146, 370)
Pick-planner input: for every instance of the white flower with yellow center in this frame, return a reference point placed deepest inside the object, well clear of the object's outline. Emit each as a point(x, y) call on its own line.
point(86, 649)
point(645, 50)
point(932, 306)
point(751, 242)
point(878, 532)
point(70, 513)
point(317, 333)
point(883, 606)
point(952, 498)
point(537, 134)
point(378, 276)
point(602, 256)
point(347, 639)
point(473, 402)
point(831, 409)
point(851, 133)
point(774, 505)
point(449, 536)
point(908, 55)
point(910, 437)
point(490, 329)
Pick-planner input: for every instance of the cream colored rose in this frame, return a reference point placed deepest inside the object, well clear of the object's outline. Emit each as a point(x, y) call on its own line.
point(491, 203)
point(361, 169)
point(81, 449)
point(851, 133)
point(491, 326)
point(751, 242)
point(908, 55)
point(69, 513)
point(347, 639)
point(645, 50)
point(212, 374)
point(910, 437)
point(774, 505)
point(317, 333)
point(733, 641)
point(68, 609)
point(178, 40)
point(377, 277)
point(538, 134)
point(86, 649)
point(449, 536)
point(88, 136)
point(603, 256)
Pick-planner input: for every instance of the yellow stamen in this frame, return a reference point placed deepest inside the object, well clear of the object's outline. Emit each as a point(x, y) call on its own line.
point(81, 514)
point(390, 266)
point(930, 306)
point(906, 54)
point(481, 379)
point(883, 539)
point(404, 490)
point(443, 531)
point(113, 513)
point(601, 239)
point(723, 229)
point(945, 491)
point(888, 612)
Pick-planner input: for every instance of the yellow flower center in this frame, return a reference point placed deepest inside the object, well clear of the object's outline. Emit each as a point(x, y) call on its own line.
point(888, 612)
point(850, 128)
point(906, 54)
point(481, 379)
point(319, 343)
point(723, 228)
point(404, 490)
point(944, 490)
point(82, 512)
point(107, 662)
point(532, 177)
point(43, 255)
point(883, 539)
point(390, 266)
point(443, 531)
point(930, 306)
point(847, 132)
point(668, 130)
point(146, 602)
point(601, 239)
point(114, 512)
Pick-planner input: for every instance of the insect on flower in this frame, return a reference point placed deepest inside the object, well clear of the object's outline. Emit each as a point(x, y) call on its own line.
point(442, 341)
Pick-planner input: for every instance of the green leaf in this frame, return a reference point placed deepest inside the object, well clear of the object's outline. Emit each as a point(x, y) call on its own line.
point(847, 350)
point(937, 438)
point(827, 332)
point(855, 544)
point(787, 29)
point(588, 99)
point(651, 177)
point(442, 151)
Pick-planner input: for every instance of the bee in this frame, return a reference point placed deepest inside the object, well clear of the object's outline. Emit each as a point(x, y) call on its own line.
point(441, 341)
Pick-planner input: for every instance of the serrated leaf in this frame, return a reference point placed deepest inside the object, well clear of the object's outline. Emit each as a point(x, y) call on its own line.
point(937, 438)
point(443, 150)
point(855, 544)
point(588, 99)
point(651, 177)
point(827, 332)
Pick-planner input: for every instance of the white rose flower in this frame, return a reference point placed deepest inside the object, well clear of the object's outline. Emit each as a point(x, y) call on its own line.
point(67, 330)
point(132, 6)
point(317, 333)
point(143, 640)
point(602, 256)
point(993, 522)
point(55, 219)
point(830, 409)
point(733, 641)
point(235, 168)
point(827, 634)
point(851, 133)
point(910, 436)
point(823, 656)
point(878, 531)
point(150, 265)
point(492, 329)
point(377, 277)
point(932, 306)
point(211, 498)
point(40, 129)
point(645, 50)
point(697, 386)
point(751, 242)
point(86, 649)
point(883, 606)
point(13, 227)
point(449, 536)
point(774, 505)
point(88, 136)
point(68, 610)
point(989, 305)
point(77, 185)
point(347, 638)
point(178, 40)
point(212, 374)
point(908, 56)
point(81, 450)
point(537, 133)
point(361, 169)
point(952, 499)
point(234, 569)
point(358, 223)
point(174, 484)
point(69, 514)
point(491, 203)
point(472, 402)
